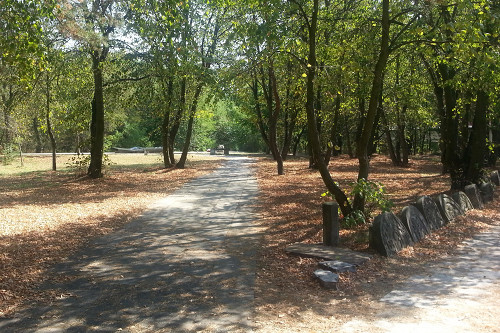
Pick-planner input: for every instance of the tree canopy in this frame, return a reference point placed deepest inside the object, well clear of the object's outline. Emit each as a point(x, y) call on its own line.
point(318, 77)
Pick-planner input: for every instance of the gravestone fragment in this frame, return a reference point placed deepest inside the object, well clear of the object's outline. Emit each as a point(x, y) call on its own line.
point(486, 190)
point(327, 279)
point(474, 196)
point(495, 178)
point(388, 235)
point(337, 266)
point(430, 211)
point(463, 201)
point(415, 223)
point(448, 207)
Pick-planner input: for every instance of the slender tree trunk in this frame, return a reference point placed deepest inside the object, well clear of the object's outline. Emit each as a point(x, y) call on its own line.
point(49, 125)
point(297, 141)
point(273, 123)
point(166, 124)
point(404, 144)
point(177, 121)
point(334, 131)
point(97, 123)
point(258, 111)
point(362, 147)
point(477, 142)
point(313, 132)
point(189, 132)
point(36, 131)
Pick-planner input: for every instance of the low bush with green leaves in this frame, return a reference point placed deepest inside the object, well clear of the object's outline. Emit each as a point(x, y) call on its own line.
point(374, 196)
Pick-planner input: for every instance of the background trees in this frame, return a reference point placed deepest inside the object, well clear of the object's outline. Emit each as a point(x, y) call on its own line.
point(321, 76)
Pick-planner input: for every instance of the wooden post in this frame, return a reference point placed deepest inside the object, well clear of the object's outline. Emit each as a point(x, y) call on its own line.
point(331, 225)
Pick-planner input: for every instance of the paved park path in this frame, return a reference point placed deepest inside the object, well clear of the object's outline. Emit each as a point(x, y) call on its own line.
point(187, 264)
point(460, 294)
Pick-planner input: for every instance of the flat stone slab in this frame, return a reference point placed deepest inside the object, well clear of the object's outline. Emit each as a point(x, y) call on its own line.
point(337, 266)
point(328, 253)
point(327, 279)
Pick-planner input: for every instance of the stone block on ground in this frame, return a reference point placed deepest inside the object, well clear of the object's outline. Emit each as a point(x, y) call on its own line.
point(430, 211)
point(486, 190)
point(463, 201)
point(495, 178)
point(472, 192)
point(328, 253)
point(448, 207)
point(388, 235)
point(327, 279)
point(415, 223)
point(337, 266)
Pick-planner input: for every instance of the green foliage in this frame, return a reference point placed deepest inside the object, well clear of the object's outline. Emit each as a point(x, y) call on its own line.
point(354, 219)
point(127, 136)
point(373, 194)
point(8, 153)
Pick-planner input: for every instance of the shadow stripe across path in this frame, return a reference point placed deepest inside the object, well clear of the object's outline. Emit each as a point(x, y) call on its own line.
point(186, 265)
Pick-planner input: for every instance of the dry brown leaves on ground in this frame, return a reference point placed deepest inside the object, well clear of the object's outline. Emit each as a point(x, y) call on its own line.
point(288, 297)
point(46, 217)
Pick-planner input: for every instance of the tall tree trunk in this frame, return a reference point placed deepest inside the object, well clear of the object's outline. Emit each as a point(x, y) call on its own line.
point(189, 132)
point(166, 123)
point(49, 124)
point(334, 131)
point(297, 141)
point(402, 145)
point(362, 147)
point(97, 123)
point(390, 144)
point(477, 142)
point(313, 132)
point(177, 120)
point(36, 131)
point(273, 120)
point(258, 111)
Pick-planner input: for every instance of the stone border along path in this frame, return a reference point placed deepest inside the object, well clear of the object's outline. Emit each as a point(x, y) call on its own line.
point(187, 264)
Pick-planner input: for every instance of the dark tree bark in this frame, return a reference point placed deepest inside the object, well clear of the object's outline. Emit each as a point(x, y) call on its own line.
point(297, 141)
point(273, 120)
point(362, 147)
point(182, 160)
point(258, 111)
point(177, 121)
point(97, 123)
point(476, 151)
point(166, 123)
point(312, 129)
point(402, 146)
point(36, 131)
point(334, 131)
point(50, 132)
point(273, 102)
point(390, 144)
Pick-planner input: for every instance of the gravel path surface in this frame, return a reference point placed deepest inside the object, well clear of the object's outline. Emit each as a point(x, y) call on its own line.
point(186, 265)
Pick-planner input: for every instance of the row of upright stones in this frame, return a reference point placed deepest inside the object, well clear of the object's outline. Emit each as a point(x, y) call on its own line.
point(390, 233)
